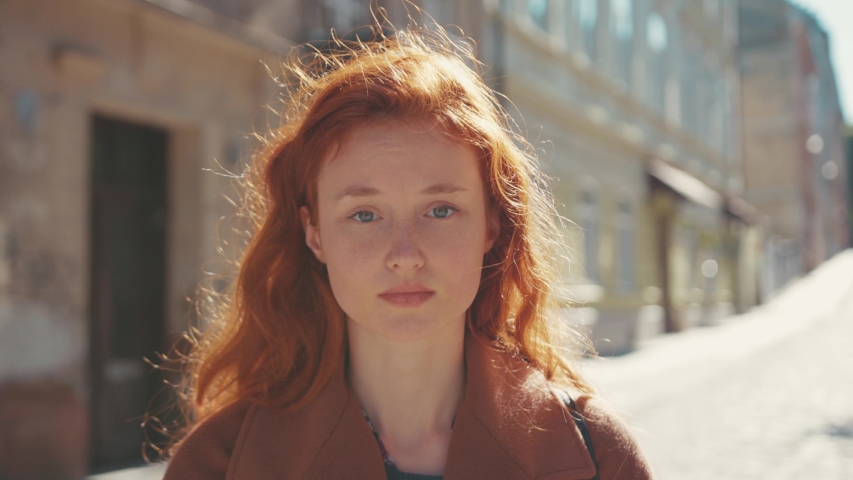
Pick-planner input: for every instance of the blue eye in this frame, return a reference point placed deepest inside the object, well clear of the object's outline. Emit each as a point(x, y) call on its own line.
point(443, 211)
point(364, 216)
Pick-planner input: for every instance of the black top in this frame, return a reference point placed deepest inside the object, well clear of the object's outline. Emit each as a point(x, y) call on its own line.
point(394, 474)
point(390, 466)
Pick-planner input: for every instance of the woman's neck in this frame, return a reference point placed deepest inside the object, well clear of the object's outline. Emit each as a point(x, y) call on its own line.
point(411, 391)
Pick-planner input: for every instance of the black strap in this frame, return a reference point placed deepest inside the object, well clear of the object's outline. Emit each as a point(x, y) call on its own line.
point(581, 424)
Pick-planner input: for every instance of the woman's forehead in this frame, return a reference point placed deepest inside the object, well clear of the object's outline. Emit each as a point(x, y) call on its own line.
point(397, 154)
point(397, 139)
point(392, 131)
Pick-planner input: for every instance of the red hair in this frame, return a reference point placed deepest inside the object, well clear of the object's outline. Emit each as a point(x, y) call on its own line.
point(278, 334)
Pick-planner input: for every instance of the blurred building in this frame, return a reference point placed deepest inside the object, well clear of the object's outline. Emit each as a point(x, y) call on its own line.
point(794, 148)
point(639, 102)
point(850, 185)
point(110, 112)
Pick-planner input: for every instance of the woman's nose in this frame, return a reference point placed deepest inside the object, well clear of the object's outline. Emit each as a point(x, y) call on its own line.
point(404, 252)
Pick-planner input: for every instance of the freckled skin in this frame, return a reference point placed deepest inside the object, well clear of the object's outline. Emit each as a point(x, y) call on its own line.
point(402, 235)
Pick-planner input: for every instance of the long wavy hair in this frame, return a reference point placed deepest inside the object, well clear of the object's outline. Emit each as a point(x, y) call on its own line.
point(277, 334)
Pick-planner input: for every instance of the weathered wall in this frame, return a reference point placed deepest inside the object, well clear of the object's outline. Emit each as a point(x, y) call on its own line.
point(64, 62)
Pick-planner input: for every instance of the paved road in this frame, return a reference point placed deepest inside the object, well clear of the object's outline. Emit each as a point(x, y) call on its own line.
point(768, 395)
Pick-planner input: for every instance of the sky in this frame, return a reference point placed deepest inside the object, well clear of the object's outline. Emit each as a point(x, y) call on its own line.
point(836, 16)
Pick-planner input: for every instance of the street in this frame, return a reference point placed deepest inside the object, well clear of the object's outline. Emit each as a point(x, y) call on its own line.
point(765, 395)
point(768, 395)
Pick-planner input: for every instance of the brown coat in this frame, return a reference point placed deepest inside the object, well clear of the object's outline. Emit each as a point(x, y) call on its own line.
point(509, 426)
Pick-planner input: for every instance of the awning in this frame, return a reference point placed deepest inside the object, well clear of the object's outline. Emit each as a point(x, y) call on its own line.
point(740, 208)
point(685, 184)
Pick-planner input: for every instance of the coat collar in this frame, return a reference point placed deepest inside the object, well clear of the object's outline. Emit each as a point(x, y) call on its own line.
point(509, 426)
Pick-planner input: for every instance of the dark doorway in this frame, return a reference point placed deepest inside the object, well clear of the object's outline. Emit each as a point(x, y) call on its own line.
point(128, 284)
point(664, 202)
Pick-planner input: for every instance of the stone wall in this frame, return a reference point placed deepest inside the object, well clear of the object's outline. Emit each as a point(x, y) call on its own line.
point(64, 62)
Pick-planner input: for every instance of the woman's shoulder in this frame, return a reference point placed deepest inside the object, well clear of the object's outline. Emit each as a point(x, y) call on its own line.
point(205, 452)
point(617, 452)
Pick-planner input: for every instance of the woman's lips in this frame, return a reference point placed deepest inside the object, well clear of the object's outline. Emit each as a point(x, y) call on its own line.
point(407, 299)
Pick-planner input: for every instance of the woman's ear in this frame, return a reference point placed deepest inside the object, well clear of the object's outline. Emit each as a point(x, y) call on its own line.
point(493, 226)
point(312, 234)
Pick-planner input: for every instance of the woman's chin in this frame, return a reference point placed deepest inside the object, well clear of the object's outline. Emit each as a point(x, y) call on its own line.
point(409, 327)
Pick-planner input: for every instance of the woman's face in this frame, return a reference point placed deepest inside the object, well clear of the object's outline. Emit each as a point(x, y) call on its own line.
point(402, 228)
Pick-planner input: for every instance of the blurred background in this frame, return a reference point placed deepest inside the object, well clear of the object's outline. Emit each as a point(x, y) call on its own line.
point(699, 146)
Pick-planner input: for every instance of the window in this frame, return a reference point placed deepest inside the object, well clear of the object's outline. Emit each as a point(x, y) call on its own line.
point(691, 249)
point(589, 224)
point(716, 138)
point(622, 24)
point(710, 108)
point(538, 10)
point(622, 27)
point(435, 8)
point(725, 113)
point(673, 100)
point(813, 98)
point(656, 33)
point(689, 112)
point(344, 14)
point(586, 11)
point(625, 228)
point(657, 39)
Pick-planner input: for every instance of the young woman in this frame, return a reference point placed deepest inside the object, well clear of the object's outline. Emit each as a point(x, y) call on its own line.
point(394, 315)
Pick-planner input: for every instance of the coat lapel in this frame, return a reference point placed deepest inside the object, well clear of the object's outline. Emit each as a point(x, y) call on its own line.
point(509, 426)
point(327, 438)
point(351, 451)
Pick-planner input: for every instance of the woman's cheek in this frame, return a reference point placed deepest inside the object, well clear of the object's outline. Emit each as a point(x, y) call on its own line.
point(352, 265)
point(353, 247)
point(458, 247)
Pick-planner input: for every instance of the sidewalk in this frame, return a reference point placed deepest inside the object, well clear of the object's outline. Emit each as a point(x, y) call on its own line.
point(765, 395)
point(684, 355)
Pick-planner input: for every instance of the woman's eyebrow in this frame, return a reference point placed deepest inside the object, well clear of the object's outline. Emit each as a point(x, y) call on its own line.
point(357, 191)
point(443, 188)
point(360, 191)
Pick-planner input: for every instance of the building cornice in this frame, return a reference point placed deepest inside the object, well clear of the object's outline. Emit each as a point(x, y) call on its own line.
point(253, 40)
